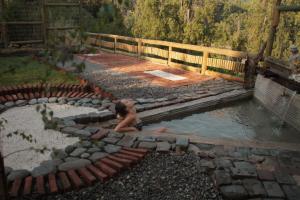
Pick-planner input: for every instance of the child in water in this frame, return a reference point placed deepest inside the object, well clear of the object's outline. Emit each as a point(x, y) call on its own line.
point(127, 116)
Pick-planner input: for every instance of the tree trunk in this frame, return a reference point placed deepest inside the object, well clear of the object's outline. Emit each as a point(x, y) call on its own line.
point(3, 185)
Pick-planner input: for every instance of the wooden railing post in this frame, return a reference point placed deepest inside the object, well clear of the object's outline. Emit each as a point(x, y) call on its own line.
point(170, 55)
point(139, 48)
point(204, 62)
point(44, 19)
point(115, 44)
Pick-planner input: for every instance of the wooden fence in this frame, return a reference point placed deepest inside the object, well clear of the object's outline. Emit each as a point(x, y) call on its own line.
point(206, 60)
point(37, 29)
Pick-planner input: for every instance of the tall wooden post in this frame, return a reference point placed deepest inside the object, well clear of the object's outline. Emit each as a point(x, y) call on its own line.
point(204, 62)
point(45, 22)
point(274, 25)
point(3, 182)
point(3, 24)
point(115, 46)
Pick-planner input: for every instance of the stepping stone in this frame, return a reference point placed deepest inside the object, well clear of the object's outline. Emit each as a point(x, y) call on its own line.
point(111, 148)
point(76, 164)
point(127, 141)
point(194, 149)
point(166, 139)
point(207, 164)
point(284, 178)
point(147, 139)
point(163, 146)
point(273, 189)
point(182, 142)
point(233, 192)
point(254, 187)
point(82, 133)
point(265, 175)
point(147, 145)
point(292, 192)
point(43, 170)
point(78, 151)
point(223, 163)
point(100, 134)
point(222, 177)
point(97, 156)
point(110, 140)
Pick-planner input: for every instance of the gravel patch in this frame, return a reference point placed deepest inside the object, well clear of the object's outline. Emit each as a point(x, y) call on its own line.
point(26, 119)
point(159, 176)
point(122, 85)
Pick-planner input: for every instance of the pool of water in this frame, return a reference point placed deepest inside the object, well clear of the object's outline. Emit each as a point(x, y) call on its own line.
point(247, 120)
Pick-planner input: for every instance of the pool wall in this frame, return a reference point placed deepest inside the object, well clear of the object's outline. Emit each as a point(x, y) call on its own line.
point(280, 100)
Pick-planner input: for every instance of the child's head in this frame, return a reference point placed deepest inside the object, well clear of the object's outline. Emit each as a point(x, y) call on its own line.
point(121, 109)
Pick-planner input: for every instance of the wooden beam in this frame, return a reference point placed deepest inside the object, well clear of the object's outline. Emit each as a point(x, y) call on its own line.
point(24, 23)
point(292, 8)
point(63, 28)
point(274, 25)
point(63, 4)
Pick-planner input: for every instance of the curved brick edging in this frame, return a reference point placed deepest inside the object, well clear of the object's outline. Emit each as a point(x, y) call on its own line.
point(64, 181)
point(28, 92)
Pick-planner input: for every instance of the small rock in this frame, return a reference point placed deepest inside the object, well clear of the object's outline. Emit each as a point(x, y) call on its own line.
point(147, 145)
point(93, 150)
point(166, 139)
point(85, 100)
point(112, 148)
point(58, 154)
point(147, 138)
point(55, 162)
point(43, 170)
point(273, 189)
point(76, 164)
point(21, 103)
point(100, 144)
point(69, 123)
point(92, 130)
point(182, 142)
point(163, 146)
point(233, 192)
point(42, 100)
point(97, 156)
point(69, 149)
point(85, 155)
point(9, 104)
point(7, 170)
point(69, 130)
point(207, 164)
point(32, 102)
point(68, 159)
point(77, 152)
point(82, 133)
point(96, 102)
point(115, 134)
point(256, 159)
point(127, 141)
point(222, 177)
point(71, 102)
point(53, 100)
point(194, 149)
point(86, 144)
point(22, 173)
point(110, 140)
point(2, 108)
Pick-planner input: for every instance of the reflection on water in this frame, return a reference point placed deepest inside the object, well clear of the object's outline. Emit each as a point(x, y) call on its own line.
point(245, 121)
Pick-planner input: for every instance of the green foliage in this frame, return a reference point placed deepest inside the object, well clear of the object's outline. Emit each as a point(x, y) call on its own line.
point(236, 24)
point(26, 70)
point(47, 116)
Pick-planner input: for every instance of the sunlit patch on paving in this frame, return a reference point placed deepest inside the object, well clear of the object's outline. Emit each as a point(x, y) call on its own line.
point(165, 75)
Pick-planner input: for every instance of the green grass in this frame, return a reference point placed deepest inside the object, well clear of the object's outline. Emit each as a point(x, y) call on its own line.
point(25, 70)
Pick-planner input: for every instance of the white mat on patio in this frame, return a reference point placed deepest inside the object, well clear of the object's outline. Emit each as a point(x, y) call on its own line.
point(165, 75)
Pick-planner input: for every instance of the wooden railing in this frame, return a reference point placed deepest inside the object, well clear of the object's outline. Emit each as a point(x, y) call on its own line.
point(207, 60)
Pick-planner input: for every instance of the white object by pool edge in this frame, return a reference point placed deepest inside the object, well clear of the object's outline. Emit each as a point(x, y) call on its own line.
point(165, 75)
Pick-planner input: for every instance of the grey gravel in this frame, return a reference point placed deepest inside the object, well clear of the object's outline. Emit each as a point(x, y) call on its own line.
point(158, 177)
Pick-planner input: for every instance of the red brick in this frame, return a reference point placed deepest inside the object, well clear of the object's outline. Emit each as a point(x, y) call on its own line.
point(74, 94)
point(84, 95)
point(132, 153)
point(37, 95)
point(89, 95)
point(126, 156)
point(98, 173)
point(106, 169)
point(26, 96)
point(124, 161)
point(48, 95)
point(59, 94)
point(100, 134)
point(54, 94)
point(31, 95)
point(14, 191)
point(8, 97)
point(80, 94)
point(116, 165)
point(27, 186)
point(2, 99)
point(64, 94)
point(52, 184)
point(15, 98)
point(20, 96)
point(69, 94)
point(141, 151)
point(43, 94)
point(75, 179)
point(87, 176)
point(64, 181)
point(40, 185)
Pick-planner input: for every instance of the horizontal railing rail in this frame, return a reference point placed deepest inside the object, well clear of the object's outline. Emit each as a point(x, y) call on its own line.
point(207, 60)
